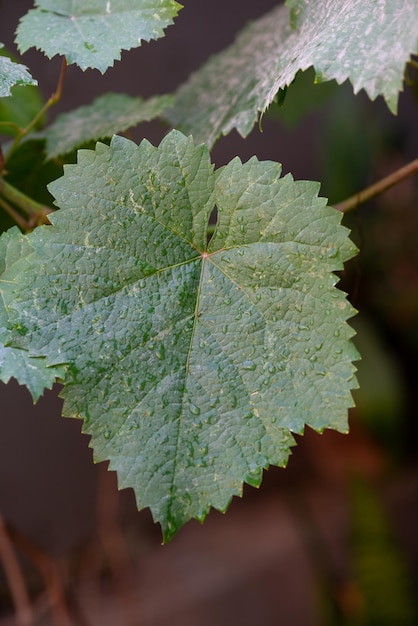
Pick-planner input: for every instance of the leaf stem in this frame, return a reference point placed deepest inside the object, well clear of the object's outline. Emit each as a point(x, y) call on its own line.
point(14, 215)
point(55, 97)
point(36, 212)
point(374, 190)
point(12, 125)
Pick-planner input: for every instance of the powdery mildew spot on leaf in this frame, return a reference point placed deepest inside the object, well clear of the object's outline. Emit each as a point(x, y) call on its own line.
point(366, 41)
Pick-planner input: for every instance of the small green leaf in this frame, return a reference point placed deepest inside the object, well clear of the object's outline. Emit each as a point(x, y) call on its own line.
point(92, 33)
point(11, 74)
point(192, 365)
point(14, 362)
point(109, 114)
point(366, 41)
point(19, 109)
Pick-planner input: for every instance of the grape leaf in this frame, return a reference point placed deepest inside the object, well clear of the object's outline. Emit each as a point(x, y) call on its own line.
point(107, 115)
point(92, 33)
point(14, 362)
point(25, 101)
point(12, 73)
point(366, 41)
point(192, 365)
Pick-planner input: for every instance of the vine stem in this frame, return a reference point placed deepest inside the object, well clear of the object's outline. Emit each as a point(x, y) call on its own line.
point(36, 212)
point(56, 96)
point(12, 125)
point(374, 190)
point(14, 215)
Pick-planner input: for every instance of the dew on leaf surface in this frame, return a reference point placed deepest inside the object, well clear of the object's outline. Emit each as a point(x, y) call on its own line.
point(194, 410)
point(249, 365)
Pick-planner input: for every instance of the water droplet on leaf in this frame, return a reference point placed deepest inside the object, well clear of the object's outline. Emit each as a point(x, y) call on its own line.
point(249, 365)
point(194, 410)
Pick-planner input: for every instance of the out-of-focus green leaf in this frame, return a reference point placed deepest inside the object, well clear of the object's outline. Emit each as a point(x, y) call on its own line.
point(379, 569)
point(108, 115)
point(301, 97)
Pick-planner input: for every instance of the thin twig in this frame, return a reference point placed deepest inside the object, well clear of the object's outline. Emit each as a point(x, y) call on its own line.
point(382, 185)
point(51, 574)
point(24, 614)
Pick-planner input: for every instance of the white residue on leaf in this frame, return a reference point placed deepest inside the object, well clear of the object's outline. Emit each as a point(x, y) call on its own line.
point(137, 207)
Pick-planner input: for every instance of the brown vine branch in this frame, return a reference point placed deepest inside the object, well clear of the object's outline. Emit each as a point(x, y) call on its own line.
point(51, 574)
point(23, 609)
point(374, 190)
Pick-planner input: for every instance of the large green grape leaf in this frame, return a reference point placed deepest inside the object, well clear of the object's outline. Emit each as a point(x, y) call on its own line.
point(92, 33)
point(366, 41)
point(15, 362)
point(12, 73)
point(192, 365)
point(109, 114)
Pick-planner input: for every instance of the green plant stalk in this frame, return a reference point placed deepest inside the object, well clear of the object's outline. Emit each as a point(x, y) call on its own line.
point(56, 96)
point(12, 125)
point(29, 206)
point(374, 190)
point(14, 215)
